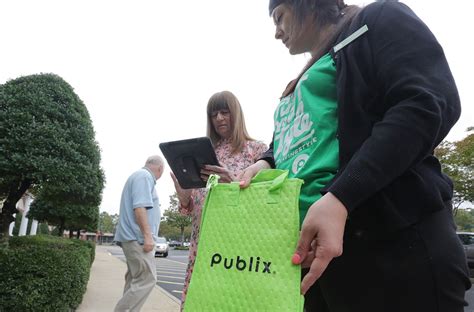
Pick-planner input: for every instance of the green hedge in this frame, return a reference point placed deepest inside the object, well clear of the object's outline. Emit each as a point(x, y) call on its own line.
point(88, 244)
point(44, 273)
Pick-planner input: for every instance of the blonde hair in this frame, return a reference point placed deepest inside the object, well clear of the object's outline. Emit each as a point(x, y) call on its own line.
point(227, 100)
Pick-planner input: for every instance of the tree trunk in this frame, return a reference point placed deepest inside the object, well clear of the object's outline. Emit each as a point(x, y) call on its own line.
point(182, 235)
point(456, 205)
point(71, 234)
point(9, 206)
point(5, 219)
point(78, 234)
point(61, 228)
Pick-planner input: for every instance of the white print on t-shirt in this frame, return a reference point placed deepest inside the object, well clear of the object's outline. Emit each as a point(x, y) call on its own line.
point(299, 163)
point(299, 149)
point(293, 128)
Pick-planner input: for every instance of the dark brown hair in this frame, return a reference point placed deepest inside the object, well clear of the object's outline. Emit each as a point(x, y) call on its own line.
point(326, 13)
point(227, 100)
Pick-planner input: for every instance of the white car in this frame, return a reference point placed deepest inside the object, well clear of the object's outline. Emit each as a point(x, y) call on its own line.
point(162, 247)
point(467, 240)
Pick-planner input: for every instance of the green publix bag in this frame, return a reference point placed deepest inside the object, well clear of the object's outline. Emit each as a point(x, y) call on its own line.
point(246, 242)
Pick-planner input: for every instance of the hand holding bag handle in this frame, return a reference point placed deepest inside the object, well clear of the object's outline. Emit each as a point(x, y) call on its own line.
point(247, 238)
point(276, 176)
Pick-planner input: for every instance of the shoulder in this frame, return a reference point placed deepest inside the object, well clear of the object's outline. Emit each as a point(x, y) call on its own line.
point(390, 18)
point(380, 16)
point(391, 25)
point(379, 11)
point(141, 175)
point(256, 148)
point(256, 144)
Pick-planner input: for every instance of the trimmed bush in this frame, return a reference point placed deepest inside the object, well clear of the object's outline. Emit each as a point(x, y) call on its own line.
point(88, 244)
point(43, 273)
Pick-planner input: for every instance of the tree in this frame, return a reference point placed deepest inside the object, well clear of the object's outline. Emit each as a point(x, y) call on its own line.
point(64, 212)
point(43, 228)
point(107, 223)
point(457, 160)
point(47, 146)
point(176, 219)
point(71, 208)
point(464, 220)
point(173, 233)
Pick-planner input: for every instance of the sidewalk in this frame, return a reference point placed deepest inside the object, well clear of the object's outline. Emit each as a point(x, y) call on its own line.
point(106, 283)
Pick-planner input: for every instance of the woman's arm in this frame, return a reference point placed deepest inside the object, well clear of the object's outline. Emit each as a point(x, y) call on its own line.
point(185, 197)
point(418, 102)
point(268, 156)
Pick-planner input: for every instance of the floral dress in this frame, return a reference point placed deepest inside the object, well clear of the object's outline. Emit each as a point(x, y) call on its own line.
point(235, 163)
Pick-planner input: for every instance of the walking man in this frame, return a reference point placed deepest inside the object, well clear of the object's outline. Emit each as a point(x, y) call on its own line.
point(139, 222)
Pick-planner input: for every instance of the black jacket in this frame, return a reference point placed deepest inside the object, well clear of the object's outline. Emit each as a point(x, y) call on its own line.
point(397, 100)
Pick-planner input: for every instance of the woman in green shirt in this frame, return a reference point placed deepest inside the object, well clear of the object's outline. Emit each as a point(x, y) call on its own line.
point(359, 126)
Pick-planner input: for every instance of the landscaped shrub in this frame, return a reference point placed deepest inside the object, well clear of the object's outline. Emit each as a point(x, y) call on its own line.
point(88, 244)
point(43, 273)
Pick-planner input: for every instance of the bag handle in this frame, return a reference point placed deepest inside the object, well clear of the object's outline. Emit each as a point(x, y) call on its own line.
point(212, 181)
point(278, 176)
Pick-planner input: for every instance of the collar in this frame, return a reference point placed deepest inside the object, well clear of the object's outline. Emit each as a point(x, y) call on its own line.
point(152, 174)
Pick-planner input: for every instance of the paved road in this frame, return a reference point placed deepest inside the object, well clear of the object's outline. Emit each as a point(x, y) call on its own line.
point(470, 297)
point(170, 271)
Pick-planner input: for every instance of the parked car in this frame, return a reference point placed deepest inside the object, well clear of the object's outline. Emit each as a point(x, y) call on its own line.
point(162, 247)
point(467, 239)
point(186, 244)
point(174, 243)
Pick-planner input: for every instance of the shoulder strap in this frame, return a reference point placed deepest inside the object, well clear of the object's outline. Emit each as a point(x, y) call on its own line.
point(356, 34)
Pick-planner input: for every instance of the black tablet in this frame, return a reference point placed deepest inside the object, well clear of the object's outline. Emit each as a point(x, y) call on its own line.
point(187, 157)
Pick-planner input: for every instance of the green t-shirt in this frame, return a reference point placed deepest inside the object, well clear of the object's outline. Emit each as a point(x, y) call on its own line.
point(305, 140)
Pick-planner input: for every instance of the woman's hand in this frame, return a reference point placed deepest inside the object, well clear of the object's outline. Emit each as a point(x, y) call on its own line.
point(321, 237)
point(184, 195)
point(225, 175)
point(251, 171)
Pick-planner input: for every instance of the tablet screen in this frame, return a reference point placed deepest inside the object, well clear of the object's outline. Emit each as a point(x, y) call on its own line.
point(187, 157)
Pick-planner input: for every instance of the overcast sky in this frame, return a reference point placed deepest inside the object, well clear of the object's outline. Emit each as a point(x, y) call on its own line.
point(145, 69)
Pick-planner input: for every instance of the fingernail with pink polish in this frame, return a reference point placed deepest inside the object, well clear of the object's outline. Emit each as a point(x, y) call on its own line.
point(296, 259)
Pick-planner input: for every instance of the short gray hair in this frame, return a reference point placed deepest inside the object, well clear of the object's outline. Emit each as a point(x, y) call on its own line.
point(154, 160)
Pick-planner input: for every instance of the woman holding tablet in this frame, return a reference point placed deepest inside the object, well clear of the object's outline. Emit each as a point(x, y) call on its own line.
point(235, 151)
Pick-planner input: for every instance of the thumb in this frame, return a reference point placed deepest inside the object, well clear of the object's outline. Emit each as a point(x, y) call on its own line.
point(175, 180)
point(245, 179)
point(302, 249)
point(172, 176)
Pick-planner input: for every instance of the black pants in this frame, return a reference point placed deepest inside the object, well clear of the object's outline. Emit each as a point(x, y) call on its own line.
point(421, 268)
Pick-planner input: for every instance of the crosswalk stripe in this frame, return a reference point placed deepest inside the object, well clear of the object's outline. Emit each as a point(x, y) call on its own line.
point(166, 282)
point(181, 263)
point(170, 267)
point(173, 277)
point(171, 272)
